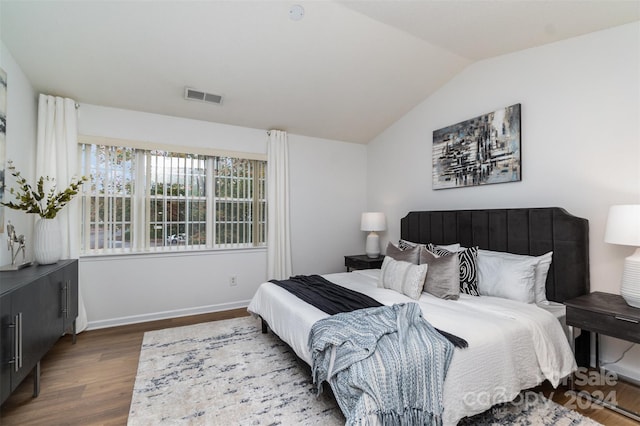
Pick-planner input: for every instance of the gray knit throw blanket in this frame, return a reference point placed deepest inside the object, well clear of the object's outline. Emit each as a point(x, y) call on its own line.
point(386, 365)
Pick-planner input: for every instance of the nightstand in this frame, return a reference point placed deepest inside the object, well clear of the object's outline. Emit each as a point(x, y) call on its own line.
point(362, 261)
point(608, 314)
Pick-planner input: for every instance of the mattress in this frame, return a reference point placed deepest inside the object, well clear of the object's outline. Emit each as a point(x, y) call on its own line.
point(512, 345)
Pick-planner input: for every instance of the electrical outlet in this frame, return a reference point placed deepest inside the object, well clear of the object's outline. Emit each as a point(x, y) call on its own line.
point(233, 280)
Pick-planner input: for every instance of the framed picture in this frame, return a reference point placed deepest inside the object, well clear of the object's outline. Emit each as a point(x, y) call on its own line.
point(3, 140)
point(479, 151)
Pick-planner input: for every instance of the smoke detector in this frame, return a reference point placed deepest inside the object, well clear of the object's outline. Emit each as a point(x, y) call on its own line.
point(198, 95)
point(296, 12)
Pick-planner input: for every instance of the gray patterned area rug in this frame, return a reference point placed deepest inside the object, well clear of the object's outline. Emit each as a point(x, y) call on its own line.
point(229, 373)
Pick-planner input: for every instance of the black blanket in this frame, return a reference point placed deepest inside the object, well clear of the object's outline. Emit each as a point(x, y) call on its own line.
point(334, 299)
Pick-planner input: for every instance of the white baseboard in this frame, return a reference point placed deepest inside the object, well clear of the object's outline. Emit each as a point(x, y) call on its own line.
point(135, 319)
point(626, 373)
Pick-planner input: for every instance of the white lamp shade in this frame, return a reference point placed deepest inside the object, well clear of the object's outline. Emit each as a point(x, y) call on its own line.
point(373, 221)
point(623, 225)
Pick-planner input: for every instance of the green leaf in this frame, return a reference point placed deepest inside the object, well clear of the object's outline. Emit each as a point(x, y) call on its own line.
point(32, 201)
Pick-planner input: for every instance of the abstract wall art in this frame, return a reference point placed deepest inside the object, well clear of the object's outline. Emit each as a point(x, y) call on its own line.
point(479, 151)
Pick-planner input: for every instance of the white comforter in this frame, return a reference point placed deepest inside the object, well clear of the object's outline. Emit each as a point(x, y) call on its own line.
point(512, 345)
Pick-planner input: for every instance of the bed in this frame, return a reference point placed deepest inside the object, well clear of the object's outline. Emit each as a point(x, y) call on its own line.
point(512, 345)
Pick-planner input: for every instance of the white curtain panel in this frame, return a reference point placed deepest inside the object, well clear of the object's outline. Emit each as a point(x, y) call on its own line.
point(278, 228)
point(57, 157)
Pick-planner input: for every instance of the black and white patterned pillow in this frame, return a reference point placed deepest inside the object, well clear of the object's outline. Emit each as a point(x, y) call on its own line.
point(468, 267)
point(404, 244)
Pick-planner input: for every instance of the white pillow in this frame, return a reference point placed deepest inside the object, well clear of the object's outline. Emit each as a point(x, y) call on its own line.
point(403, 277)
point(508, 278)
point(541, 271)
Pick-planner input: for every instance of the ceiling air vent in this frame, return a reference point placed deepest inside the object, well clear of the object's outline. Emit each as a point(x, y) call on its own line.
point(197, 95)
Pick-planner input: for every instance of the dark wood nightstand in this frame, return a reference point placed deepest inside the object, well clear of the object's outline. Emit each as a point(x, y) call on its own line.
point(608, 314)
point(605, 313)
point(362, 261)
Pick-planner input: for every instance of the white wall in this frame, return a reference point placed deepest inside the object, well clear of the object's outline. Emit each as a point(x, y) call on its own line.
point(580, 140)
point(22, 107)
point(328, 183)
point(327, 197)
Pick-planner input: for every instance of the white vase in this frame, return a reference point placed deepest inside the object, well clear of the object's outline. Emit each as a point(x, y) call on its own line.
point(47, 241)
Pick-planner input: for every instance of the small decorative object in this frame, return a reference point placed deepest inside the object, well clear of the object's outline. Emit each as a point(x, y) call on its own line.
point(16, 244)
point(480, 151)
point(372, 222)
point(47, 246)
point(623, 227)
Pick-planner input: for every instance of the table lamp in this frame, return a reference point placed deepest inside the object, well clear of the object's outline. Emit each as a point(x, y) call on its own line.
point(372, 222)
point(623, 227)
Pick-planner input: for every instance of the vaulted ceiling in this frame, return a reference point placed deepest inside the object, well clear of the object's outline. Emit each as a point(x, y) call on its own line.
point(346, 70)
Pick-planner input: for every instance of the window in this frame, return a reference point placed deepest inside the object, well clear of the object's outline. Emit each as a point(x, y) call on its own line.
point(140, 200)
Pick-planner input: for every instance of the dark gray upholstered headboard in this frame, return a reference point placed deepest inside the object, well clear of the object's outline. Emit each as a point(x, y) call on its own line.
point(532, 231)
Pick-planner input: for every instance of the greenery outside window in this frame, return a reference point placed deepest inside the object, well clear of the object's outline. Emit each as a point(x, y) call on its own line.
point(141, 200)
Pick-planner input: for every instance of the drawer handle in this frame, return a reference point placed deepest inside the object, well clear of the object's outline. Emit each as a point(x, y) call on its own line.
point(635, 321)
point(17, 342)
point(68, 291)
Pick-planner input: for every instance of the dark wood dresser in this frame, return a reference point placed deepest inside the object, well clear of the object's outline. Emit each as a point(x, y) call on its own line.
point(38, 304)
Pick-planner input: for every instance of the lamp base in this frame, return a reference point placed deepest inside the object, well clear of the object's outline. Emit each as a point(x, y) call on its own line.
point(630, 289)
point(372, 246)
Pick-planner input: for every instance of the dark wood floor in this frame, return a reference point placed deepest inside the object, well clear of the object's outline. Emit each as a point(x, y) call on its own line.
point(91, 382)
